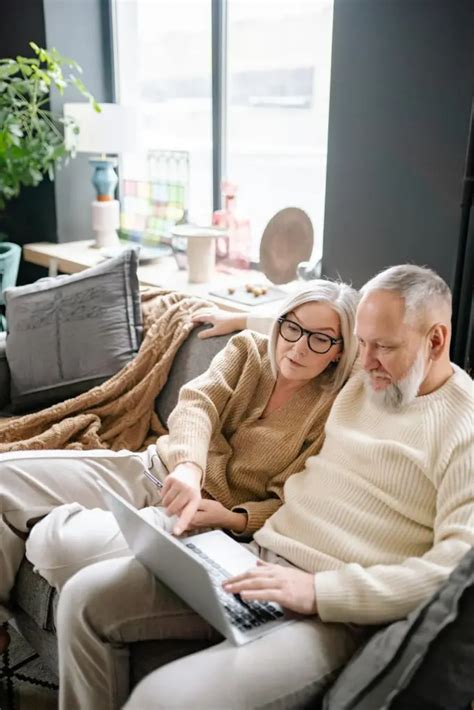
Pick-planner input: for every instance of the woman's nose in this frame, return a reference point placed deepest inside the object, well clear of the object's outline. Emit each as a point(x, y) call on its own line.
point(301, 346)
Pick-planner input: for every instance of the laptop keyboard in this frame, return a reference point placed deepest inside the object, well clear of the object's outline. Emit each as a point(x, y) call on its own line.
point(244, 615)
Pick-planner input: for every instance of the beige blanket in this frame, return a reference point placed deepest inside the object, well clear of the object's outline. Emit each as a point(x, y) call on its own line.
point(119, 414)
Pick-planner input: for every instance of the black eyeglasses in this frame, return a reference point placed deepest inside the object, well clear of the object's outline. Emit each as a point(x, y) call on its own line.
point(317, 342)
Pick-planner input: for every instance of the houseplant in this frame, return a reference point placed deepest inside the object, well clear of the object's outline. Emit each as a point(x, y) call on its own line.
point(31, 135)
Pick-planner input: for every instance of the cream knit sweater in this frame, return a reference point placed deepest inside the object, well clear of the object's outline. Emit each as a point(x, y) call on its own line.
point(218, 425)
point(386, 510)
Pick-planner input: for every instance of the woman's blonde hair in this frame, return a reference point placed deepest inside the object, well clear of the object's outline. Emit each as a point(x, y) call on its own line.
point(343, 300)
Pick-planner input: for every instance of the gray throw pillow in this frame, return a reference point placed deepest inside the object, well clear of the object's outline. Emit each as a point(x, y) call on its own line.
point(67, 334)
point(392, 669)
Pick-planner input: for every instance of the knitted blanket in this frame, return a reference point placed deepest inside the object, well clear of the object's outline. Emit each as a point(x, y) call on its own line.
point(118, 414)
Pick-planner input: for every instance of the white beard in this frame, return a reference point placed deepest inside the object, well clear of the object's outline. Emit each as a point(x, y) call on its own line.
point(399, 394)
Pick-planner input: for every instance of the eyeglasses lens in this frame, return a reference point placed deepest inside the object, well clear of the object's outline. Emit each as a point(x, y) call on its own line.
point(318, 342)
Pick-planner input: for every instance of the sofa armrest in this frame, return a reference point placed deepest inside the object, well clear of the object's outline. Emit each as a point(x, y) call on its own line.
point(4, 373)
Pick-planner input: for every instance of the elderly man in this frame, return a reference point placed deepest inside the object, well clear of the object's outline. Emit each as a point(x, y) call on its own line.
point(369, 529)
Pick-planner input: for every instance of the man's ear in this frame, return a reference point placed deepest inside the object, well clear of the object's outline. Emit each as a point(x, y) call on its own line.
point(438, 339)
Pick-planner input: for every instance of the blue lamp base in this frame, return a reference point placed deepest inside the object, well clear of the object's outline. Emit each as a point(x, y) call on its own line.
point(105, 209)
point(104, 178)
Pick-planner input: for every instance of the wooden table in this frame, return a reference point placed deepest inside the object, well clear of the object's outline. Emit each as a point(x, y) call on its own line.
point(72, 257)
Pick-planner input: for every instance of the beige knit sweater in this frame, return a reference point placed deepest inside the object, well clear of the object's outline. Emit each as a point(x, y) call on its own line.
point(386, 510)
point(218, 425)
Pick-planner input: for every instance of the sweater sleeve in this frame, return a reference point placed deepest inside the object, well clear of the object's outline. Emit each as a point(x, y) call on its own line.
point(385, 592)
point(201, 402)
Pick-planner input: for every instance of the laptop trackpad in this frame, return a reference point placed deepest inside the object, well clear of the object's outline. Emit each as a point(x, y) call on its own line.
point(229, 554)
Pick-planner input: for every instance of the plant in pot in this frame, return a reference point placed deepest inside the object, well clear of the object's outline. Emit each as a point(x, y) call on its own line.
point(31, 135)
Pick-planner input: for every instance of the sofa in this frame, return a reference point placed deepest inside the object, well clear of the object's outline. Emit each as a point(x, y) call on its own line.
point(379, 667)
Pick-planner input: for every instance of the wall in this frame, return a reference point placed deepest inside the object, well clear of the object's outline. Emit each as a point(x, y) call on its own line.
point(58, 211)
point(401, 88)
point(32, 216)
point(79, 29)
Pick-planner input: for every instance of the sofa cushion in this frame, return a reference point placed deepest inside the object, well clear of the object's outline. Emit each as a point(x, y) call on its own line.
point(191, 360)
point(84, 328)
point(395, 668)
point(33, 595)
point(4, 373)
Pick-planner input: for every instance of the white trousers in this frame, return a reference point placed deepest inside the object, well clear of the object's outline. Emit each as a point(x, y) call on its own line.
point(77, 530)
point(110, 604)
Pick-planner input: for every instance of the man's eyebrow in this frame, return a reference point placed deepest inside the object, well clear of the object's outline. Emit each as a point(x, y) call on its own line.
point(293, 316)
point(387, 340)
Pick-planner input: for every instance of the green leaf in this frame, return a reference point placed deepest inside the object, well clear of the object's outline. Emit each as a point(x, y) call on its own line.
point(36, 175)
point(8, 70)
point(15, 130)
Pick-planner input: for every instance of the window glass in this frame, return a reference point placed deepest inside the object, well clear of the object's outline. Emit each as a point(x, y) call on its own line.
point(163, 66)
point(279, 56)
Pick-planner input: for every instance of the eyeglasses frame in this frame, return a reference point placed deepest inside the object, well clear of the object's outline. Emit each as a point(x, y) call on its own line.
point(308, 333)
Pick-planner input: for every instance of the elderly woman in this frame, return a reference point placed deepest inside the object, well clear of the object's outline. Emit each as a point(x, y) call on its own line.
point(237, 433)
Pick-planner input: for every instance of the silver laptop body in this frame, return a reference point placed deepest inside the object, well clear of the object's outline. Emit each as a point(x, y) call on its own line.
point(194, 568)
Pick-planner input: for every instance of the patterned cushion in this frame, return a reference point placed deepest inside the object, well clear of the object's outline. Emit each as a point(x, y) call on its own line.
point(70, 333)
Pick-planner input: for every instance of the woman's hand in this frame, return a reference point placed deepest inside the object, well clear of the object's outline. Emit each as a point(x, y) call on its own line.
point(211, 514)
point(288, 586)
point(223, 322)
point(181, 494)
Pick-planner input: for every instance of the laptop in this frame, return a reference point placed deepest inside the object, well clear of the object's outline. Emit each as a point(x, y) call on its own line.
point(194, 568)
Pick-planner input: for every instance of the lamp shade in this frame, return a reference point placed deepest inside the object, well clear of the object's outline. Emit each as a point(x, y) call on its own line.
point(112, 131)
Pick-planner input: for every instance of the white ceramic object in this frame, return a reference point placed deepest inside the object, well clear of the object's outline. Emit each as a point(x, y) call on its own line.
point(105, 222)
point(201, 250)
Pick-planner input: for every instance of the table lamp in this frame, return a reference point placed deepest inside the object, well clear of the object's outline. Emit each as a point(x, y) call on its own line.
point(108, 133)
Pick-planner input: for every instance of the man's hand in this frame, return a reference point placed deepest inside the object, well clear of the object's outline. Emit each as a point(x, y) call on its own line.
point(211, 514)
point(181, 494)
point(222, 322)
point(292, 588)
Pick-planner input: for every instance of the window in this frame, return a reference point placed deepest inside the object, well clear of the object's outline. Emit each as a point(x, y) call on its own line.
point(278, 57)
point(278, 104)
point(163, 50)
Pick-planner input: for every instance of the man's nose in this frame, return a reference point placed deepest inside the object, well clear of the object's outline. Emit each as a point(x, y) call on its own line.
point(369, 359)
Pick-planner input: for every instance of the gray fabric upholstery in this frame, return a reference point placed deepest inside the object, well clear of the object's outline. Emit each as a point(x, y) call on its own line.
point(33, 594)
point(70, 333)
point(191, 360)
point(385, 666)
point(4, 373)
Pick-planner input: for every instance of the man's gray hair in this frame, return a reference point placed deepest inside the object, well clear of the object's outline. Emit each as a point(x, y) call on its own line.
point(421, 288)
point(343, 300)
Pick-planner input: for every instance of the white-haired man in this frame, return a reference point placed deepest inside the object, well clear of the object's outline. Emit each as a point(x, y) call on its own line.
point(368, 530)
